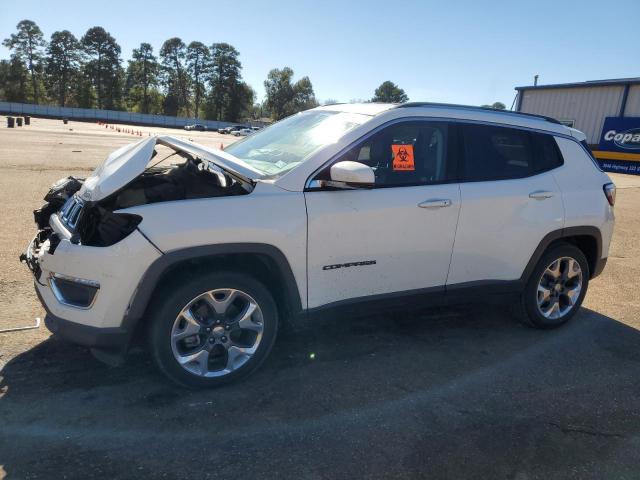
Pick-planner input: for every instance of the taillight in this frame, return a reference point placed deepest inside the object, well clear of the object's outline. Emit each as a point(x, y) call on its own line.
point(610, 193)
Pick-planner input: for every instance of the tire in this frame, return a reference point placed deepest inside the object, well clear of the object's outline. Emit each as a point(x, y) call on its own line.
point(229, 318)
point(537, 308)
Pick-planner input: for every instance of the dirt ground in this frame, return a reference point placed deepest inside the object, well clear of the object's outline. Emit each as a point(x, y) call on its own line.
point(455, 393)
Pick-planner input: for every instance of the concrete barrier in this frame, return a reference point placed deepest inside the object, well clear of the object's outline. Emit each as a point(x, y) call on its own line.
point(111, 116)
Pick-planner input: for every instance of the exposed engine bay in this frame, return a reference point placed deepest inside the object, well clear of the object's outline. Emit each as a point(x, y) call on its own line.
point(178, 182)
point(99, 223)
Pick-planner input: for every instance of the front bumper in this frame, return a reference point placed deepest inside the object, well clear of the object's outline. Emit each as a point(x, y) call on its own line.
point(110, 339)
point(116, 270)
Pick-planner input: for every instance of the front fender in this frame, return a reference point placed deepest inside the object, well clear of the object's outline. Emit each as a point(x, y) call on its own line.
point(152, 277)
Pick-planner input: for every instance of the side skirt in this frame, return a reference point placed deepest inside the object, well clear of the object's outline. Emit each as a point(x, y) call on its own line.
point(490, 292)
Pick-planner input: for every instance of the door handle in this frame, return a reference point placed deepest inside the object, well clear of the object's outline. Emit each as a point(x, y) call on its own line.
point(541, 194)
point(435, 203)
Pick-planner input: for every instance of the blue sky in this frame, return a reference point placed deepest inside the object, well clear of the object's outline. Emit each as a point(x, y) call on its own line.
point(470, 52)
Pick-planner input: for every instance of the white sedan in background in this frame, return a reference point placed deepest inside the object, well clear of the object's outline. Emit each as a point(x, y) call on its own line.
point(242, 132)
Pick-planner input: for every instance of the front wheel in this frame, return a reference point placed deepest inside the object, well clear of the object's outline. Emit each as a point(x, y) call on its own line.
point(556, 288)
point(213, 329)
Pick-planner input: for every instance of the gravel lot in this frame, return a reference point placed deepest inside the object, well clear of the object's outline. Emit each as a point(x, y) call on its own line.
point(453, 393)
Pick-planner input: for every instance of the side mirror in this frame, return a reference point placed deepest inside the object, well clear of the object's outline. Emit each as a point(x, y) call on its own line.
point(352, 174)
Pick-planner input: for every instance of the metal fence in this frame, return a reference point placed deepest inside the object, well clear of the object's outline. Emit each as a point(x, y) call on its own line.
point(114, 116)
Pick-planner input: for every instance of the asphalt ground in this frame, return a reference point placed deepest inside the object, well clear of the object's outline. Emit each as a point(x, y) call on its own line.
point(461, 392)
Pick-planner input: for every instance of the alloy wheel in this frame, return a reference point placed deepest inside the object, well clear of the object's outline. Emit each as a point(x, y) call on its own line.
point(217, 332)
point(559, 287)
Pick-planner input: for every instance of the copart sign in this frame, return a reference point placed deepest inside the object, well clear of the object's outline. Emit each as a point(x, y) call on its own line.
point(621, 134)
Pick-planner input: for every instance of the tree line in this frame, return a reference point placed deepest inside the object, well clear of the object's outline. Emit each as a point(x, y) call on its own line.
point(186, 79)
point(192, 80)
point(389, 92)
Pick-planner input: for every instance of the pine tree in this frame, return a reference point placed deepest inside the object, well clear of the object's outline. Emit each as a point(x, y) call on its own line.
point(27, 46)
point(62, 65)
point(103, 67)
point(173, 55)
point(142, 77)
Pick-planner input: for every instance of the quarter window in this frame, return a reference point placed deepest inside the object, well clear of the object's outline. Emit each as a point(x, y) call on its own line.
point(547, 153)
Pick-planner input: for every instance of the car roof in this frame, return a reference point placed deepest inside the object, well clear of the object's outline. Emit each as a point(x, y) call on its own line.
point(489, 115)
point(371, 109)
point(459, 112)
point(476, 109)
point(453, 111)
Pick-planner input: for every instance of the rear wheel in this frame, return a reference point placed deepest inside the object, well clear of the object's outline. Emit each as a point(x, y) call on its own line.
point(556, 288)
point(213, 329)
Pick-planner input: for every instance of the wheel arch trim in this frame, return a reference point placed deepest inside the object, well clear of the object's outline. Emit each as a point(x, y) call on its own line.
point(567, 232)
point(153, 275)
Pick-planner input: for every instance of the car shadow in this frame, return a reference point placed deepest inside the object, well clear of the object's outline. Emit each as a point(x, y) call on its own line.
point(468, 382)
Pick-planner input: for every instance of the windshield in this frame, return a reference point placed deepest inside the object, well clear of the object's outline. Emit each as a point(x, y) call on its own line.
point(288, 143)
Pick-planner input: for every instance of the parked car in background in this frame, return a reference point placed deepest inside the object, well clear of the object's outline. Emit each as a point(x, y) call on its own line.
point(196, 126)
point(232, 129)
point(243, 132)
point(358, 207)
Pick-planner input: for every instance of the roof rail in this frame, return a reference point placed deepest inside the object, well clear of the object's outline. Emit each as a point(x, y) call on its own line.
point(474, 108)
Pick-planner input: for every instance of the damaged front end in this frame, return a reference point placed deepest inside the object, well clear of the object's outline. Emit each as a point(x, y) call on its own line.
point(89, 211)
point(101, 223)
point(57, 197)
point(93, 212)
point(90, 251)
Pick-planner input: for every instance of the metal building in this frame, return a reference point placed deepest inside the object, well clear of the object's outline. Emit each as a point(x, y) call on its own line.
point(607, 111)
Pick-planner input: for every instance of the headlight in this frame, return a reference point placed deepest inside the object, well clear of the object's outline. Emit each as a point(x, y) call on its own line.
point(102, 228)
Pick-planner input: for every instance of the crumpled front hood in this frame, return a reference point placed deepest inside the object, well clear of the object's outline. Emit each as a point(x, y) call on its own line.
point(125, 164)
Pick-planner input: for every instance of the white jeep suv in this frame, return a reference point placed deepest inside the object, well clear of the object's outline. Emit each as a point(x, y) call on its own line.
point(204, 252)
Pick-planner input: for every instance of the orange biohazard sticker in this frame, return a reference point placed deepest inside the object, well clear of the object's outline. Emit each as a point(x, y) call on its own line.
point(403, 158)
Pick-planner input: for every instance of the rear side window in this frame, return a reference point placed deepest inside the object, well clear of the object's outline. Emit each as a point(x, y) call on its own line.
point(547, 154)
point(502, 153)
point(496, 153)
